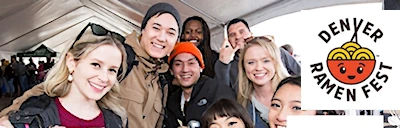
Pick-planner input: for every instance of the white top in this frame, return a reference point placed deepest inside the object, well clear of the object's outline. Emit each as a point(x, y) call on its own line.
point(260, 107)
point(183, 102)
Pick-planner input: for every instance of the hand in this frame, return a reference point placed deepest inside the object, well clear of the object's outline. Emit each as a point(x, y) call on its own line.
point(226, 52)
point(175, 82)
point(5, 123)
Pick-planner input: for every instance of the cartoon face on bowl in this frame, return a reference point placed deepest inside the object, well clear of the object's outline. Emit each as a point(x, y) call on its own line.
point(351, 71)
point(351, 63)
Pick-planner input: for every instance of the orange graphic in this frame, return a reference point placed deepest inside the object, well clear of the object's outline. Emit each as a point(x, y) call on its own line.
point(351, 63)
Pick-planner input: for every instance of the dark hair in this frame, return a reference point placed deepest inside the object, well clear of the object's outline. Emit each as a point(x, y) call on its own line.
point(204, 46)
point(288, 48)
point(295, 80)
point(225, 108)
point(237, 20)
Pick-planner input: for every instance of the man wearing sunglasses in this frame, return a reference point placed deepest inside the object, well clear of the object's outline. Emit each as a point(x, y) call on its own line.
point(239, 32)
point(142, 90)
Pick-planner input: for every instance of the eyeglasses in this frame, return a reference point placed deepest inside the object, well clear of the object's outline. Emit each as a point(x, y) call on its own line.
point(99, 30)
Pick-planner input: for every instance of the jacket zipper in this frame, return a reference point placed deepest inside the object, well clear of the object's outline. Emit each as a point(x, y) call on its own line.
point(38, 119)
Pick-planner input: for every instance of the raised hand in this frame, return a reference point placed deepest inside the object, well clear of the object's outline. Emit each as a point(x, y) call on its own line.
point(226, 52)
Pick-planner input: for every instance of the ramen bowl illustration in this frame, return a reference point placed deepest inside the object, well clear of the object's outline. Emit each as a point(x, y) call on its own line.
point(351, 64)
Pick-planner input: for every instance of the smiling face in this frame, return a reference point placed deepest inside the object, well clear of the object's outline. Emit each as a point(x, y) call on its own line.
point(258, 65)
point(351, 71)
point(160, 35)
point(193, 32)
point(186, 69)
point(96, 74)
point(227, 122)
point(287, 101)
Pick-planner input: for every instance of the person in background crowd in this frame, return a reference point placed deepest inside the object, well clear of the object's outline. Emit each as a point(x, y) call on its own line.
point(41, 72)
point(19, 70)
point(31, 66)
point(3, 67)
point(288, 48)
point(48, 63)
point(9, 76)
point(6, 79)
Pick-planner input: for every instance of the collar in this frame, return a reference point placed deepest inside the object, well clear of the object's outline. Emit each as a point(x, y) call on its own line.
point(183, 101)
point(264, 110)
point(196, 89)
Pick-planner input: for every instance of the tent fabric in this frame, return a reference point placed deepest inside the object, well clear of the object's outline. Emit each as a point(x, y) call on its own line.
point(41, 51)
point(27, 24)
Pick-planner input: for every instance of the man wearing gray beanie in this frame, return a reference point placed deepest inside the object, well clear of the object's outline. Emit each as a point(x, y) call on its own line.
point(142, 95)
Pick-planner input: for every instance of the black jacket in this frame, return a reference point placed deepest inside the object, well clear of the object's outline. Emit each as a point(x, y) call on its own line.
point(205, 92)
point(41, 112)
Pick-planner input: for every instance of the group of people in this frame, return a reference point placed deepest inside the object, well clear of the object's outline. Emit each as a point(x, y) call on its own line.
point(165, 77)
point(17, 77)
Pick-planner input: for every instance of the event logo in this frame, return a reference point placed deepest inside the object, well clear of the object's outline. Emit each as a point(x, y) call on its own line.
point(351, 64)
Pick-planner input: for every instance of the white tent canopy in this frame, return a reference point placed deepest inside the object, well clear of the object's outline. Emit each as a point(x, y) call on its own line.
point(28, 23)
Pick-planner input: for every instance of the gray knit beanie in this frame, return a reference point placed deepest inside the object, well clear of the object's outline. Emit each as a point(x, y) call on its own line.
point(161, 8)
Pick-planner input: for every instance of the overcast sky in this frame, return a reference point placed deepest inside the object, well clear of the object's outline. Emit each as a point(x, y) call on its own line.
point(285, 30)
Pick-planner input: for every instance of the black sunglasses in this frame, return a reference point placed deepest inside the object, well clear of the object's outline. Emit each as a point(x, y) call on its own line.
point(99, 30)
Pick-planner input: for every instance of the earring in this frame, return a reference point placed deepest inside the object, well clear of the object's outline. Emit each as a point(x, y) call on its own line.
point(70, 78)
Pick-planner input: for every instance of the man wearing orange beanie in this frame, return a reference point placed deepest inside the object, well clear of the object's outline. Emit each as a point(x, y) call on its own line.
point(196, 92)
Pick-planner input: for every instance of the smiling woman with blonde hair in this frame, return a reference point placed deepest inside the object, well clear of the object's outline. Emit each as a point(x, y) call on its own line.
point(260, 71)
point(82, 87)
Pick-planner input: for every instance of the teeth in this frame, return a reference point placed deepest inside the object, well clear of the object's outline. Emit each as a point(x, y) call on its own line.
point(281, 126)
point(97, 86)
point(259, 74)
point(193, 41)
point(186, 76)
point(158, 46)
